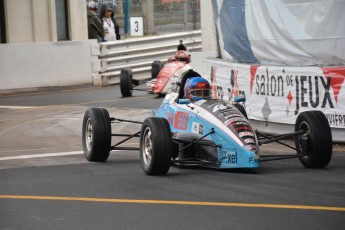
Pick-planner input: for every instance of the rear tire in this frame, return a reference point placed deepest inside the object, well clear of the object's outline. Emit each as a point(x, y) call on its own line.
point(96, 134)
point(155, 68)
point(315, 146)
point(155, 146)
point(126, 83)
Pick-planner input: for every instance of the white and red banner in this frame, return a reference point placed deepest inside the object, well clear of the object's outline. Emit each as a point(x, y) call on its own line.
point(279, 94)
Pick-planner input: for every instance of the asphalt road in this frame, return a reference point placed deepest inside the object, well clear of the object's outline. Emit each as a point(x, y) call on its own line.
point(46, 183)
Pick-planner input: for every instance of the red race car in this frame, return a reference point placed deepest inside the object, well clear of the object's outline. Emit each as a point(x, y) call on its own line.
point(161, 74)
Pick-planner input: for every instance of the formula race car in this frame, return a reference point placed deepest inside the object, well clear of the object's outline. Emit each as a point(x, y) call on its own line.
point(161, 74)
point(210, 132)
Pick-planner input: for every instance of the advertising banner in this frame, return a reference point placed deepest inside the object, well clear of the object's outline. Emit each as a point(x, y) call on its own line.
point(279, 94)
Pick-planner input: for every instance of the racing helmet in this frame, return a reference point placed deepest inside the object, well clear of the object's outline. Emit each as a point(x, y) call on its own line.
point(197, 88)
point(182, 56)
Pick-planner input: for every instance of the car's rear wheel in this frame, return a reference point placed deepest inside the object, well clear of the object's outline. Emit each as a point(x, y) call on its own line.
point(126, 83)
point(155, 68)
point(315, 146)
point(96, 134)
point(155, 146)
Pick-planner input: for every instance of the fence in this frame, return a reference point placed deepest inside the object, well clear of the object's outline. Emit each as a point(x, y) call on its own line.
point(170, 16)
point(139, 53)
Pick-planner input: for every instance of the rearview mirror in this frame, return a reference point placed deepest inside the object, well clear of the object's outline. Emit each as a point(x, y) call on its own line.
point(239, 99)
point(183, 101)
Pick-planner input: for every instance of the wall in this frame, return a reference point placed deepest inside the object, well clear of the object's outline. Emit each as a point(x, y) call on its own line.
point(34, 58)
point(35, 20)
point(41, 64)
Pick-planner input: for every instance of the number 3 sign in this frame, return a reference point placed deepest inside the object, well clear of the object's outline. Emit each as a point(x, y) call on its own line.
point(137, 26)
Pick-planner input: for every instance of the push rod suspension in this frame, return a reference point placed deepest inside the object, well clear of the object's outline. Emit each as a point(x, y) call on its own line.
point(126, 139)
point(117, 119)
point(123, 135)
point(276, 158)
point(197, 140)
point(280, 137)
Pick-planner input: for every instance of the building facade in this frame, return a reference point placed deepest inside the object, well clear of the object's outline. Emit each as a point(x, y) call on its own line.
point(45, 43)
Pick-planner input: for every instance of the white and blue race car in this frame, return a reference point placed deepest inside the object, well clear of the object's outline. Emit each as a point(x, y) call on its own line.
point(211, 133)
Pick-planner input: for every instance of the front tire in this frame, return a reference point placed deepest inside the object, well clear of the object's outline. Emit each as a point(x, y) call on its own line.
point(314, 148)
point(126, 83)
point(96, 134)
point(155, 146)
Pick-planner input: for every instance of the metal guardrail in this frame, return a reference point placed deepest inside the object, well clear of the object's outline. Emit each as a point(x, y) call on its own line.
point(139, 53)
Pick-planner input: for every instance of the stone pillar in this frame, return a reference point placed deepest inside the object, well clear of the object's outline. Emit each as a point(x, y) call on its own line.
point(148, 17)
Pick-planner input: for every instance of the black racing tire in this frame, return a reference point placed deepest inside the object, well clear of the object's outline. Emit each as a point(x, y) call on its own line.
point(155, 146)
point(96, 134)
point(155, 68)
point(126, 83)
point(315, 147)
point(240, 108)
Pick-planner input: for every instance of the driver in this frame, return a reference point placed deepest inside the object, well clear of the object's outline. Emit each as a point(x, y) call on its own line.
point(197, 88)
point(180, 56)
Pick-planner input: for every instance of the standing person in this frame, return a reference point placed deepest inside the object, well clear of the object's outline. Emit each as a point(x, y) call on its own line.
point(110, 26)
point(95, 27)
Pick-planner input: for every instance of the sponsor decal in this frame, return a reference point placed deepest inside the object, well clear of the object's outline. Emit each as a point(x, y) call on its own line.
point(201, 129)
point(197, 128)
point(234, 114)
point(251, 148)
point(231, 120)
point(230, 156)
point(243, 134)
point(219, 107)
point(243, 128)
point(249, 140)
point(251, 160)
point(238, 123)
point(181, 120)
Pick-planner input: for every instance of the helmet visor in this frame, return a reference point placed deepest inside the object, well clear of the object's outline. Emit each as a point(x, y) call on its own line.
point(202, 93)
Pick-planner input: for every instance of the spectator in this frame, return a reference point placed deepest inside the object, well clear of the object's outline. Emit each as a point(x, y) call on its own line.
point(110, 26)
point(95, 27)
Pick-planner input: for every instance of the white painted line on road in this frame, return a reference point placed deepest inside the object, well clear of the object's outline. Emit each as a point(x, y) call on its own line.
point(41, 155)
point(48, 155)
point(16, 107)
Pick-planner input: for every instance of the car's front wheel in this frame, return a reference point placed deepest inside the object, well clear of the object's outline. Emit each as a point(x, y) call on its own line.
point(155, 146)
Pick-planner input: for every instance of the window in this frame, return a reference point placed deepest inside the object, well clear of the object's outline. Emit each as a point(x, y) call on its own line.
point(61, 20)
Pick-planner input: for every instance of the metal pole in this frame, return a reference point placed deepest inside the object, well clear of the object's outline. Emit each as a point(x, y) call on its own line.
point(127, 16)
